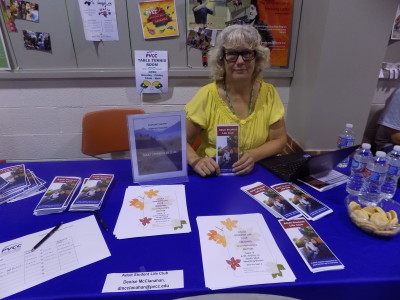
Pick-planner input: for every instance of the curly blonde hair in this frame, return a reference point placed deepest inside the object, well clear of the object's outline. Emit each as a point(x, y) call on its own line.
point(235, 36)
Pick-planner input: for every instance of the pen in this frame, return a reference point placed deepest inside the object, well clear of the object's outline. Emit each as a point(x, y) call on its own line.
point(46, 237)
point(101, 221)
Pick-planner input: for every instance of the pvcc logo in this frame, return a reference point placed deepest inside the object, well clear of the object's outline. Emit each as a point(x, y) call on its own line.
point(11, 248)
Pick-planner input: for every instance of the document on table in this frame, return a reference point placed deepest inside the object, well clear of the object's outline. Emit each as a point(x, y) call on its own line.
point(240, 250)
point(153, 210)
point(72, 246)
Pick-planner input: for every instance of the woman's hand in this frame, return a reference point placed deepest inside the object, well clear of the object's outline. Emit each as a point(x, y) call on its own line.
point(206, 166)
point(245, 164)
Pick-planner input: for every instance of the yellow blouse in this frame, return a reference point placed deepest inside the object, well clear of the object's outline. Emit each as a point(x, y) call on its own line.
point(208, 109)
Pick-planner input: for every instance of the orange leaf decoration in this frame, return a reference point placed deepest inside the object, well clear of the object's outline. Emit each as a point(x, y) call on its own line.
point(212, 235)
point(151, 193)
point(220, 239)
point(229, 224)
point(136, 203)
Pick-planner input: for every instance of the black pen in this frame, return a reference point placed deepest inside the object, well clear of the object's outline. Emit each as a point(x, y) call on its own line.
point(46, 237)
point(101, 221)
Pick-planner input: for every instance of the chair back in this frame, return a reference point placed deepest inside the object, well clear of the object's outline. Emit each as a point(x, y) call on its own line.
point(106, 131)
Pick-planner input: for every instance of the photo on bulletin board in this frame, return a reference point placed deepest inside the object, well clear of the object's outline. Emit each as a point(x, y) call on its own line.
point(158, 19)
point(24, 10)
point(158, 146)
point(396, 26)
point(206, 13)
point(36, 40)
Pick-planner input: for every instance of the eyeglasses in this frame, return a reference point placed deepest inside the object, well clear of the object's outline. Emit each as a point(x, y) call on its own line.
point(247, 55)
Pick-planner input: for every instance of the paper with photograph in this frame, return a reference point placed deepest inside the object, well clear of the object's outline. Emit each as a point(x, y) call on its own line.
point(158, 146)
point(271, 201)
point(153, 210)
point(240, 250)
point(312, 249)
point(227, 147)
point(310, 207)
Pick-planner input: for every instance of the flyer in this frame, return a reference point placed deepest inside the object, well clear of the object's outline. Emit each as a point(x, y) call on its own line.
point(151, 71)
point(227, 147)
point(158, 18)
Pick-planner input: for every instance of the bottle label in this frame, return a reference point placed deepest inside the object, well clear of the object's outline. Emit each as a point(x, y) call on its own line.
point(374, 176)
point(393, 171)
point(358, 166)
point(345, 141)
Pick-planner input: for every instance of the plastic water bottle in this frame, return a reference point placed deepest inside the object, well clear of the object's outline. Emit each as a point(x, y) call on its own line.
point(374, 176)
point(358, 166)
point(344, 140)
point(390, 184)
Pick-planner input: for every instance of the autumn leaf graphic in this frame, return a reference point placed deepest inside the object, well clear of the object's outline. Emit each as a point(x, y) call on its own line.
point(145, 221)
point(229, 224)
point(220, 239)
point(136, 203)
point(234, 263)
point(212, 235)
point(151, 193)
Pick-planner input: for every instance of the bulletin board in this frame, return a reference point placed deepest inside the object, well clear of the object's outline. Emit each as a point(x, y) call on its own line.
point(72, 56)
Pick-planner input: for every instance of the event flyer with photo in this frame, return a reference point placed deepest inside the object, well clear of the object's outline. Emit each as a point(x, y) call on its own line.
point(227, 147)
point(153, 210)
point(158, 18)
point(240, 250)
point(312, 249)
point(272, 201)
point(311, 208)
point(158, 146)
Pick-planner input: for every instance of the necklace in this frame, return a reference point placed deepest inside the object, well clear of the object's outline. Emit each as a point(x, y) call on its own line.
point(230, 103)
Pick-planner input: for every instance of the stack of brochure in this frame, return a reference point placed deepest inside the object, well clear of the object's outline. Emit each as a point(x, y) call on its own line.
point(310, 207)
point(92, 192)
point(17, 183)
point(312, 249)
point(272, 201)
point(58, 195)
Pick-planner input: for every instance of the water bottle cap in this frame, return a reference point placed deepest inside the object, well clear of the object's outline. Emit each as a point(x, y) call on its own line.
point(380, 154)
point(349, 125)
point(366, 146)
point(396, 148)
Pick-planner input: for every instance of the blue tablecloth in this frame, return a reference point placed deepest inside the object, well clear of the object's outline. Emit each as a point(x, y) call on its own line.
point(372, 265)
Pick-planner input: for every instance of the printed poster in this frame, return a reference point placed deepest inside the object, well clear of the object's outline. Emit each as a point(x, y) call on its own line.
point(99, 20)
point(158, 19)
point(151, 71)
point(396, 26)
point(208, 13)
point(153, 210)
point(239, 250)
point(158, 146)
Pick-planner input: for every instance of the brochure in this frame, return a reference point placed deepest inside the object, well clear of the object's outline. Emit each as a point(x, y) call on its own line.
point(13, 180)
point(240, 250)
point(158, 18)
point(311, 208)
point(227, 147)
point(92, 192)
point(58, 195)
point(325, 180)
point(272, 201)
point(153, 210)
point(312, 249)
point(158, 147)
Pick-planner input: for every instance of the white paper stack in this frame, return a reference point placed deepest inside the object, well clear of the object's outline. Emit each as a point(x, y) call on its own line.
point(239, 250)
point(58, 195)
point(92, 193)
point(153, 210)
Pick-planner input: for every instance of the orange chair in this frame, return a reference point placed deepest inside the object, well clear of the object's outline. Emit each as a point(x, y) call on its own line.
point(197, 142)
point(2, 161)
point(106, 131)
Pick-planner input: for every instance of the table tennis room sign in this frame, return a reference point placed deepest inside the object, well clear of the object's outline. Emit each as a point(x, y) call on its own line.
point(151, 71)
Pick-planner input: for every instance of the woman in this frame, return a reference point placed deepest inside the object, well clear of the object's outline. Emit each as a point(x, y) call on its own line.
point(237, 96)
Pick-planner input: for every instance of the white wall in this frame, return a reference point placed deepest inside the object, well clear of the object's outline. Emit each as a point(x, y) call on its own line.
point(41, 119)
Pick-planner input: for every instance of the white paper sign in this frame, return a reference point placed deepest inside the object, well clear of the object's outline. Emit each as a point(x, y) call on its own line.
point(99, 20)
point(151, 71)
point(143, 281)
